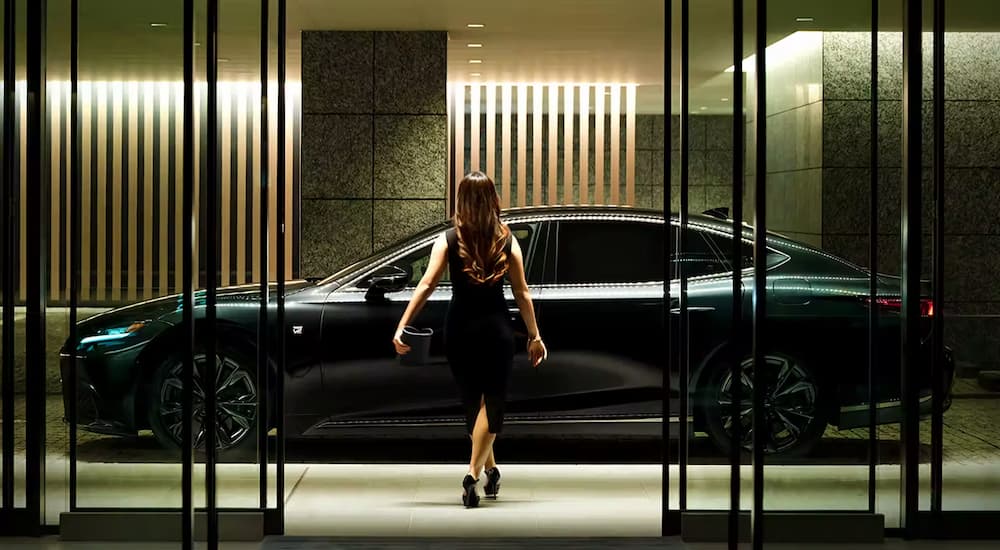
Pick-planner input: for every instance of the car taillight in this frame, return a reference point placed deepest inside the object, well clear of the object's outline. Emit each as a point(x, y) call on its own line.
point(896, 304)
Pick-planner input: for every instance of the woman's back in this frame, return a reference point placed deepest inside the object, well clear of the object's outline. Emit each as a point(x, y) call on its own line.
point(469, 298)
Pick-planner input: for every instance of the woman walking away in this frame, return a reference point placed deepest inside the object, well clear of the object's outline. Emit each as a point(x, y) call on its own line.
point(479, 251)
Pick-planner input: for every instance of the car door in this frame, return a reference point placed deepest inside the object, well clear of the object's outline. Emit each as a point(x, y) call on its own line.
point(363, 378)
point(602, 318)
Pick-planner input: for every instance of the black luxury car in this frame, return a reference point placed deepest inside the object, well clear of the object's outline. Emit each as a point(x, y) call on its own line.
point(596, 275)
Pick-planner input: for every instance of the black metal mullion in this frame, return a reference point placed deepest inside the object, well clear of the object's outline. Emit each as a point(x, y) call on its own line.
point(280, 319)
point(263, 414)
point(666, 527)
point(736, 334)
point(36, 272)
point(759, 276)
point(187, 302)
point(937, 319)
point(682, 348)
point(873, 266)
point(210, 419)
point(911, 255)
point(74, 238)
point(10, 182)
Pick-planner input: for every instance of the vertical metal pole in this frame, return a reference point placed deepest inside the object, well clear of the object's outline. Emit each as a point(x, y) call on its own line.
point(280, 321)
point(10, 147)
point(208, 423)
point(263, 414)
point(682, 347)
point(937, 321)
point(873, 266)
point(759, 279)
point(736, 335)
point(74, 237)
point(911, 250)
point(37, 267)
point(665, 523)
point(187, 305)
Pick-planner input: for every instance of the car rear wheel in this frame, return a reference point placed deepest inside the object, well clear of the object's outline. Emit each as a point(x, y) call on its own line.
point(794, 407)
point(236, 393)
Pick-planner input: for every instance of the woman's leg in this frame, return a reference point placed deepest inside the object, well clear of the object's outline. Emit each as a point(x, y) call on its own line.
point(482, 442)
point(491, 461)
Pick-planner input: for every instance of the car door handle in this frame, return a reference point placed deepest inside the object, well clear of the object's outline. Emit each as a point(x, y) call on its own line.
point(692, 309)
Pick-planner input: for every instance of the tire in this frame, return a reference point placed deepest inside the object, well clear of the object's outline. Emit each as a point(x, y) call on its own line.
point(795, 406)
point(237, 395)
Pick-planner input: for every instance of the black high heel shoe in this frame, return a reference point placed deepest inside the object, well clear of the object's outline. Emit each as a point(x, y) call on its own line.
point(492, 482)
point(470, 495)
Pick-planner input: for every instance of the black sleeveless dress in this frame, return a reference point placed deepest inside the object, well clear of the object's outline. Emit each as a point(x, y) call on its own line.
point(479, 341)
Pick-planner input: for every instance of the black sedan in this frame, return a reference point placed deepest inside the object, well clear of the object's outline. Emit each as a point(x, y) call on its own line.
point(596, 275)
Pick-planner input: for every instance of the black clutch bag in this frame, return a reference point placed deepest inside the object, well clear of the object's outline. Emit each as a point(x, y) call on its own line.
point(419, 340)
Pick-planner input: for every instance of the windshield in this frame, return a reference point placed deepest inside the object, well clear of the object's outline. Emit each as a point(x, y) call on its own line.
point(353, 269)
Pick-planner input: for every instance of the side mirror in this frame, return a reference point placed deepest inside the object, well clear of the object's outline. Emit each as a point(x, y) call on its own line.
point(385, 280)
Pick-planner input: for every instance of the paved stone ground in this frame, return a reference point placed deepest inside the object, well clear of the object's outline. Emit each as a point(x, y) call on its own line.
point(971, 436)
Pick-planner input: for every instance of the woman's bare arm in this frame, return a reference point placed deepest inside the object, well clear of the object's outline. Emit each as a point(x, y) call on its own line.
point(522, 295)
point(435, 269)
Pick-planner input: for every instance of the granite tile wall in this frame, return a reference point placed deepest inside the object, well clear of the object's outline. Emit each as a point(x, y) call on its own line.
point(374, 141)
point(972, 172)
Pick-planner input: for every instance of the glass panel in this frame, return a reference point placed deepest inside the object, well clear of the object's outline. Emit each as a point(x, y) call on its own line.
point(608, 252)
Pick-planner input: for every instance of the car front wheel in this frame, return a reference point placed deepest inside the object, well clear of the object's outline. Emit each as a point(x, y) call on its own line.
point(236, 391)
point(794, 411)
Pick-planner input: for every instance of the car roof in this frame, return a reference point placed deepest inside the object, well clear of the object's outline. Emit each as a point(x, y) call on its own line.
point(638, 212)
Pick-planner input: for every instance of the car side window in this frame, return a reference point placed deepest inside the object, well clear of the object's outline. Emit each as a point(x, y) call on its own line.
point(596, 252)
point(416, 262)
point(703, 254)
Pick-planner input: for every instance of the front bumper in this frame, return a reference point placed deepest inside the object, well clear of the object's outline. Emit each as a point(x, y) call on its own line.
point(90, 415)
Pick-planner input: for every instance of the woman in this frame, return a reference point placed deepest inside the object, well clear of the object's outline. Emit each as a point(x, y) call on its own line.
point(479, 251)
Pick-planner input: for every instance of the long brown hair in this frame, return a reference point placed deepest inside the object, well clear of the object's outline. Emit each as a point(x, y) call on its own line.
point(482, 237)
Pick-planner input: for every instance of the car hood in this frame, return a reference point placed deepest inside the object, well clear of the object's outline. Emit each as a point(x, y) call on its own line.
point(167, 308)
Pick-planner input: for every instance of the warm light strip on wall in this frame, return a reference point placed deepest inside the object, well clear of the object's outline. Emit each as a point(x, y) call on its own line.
point(630, 144)
point(148, 90)
point(241, 186)
point(615, 182)
point(116, 191)
point(85, 186)
point(568, 109)
point(599, 148)
point(474, 128)
point(553, 197)
point(102, 186)
point(132, 234)
point(505, 104)
point(164, 97)
point(225, 149)
point(584, 144)
point(536, 145)
point(522, 145)
point(55, 150)
point(491, 131)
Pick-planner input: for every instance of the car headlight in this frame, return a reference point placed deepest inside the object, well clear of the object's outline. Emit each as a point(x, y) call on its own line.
point(111, 334)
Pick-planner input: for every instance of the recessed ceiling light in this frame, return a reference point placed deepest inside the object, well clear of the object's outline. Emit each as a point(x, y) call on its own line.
point(804, 19)
point(475, 25)
point(157, 24)
point(197, 43)
point(223, 60)
point(607, 93)
point(702, 108)
point(725, 99)
point(475, 45)
point(475, 61)
point(475, 74)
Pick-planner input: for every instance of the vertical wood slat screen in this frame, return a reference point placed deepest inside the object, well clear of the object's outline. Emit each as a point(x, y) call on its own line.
point(130, 136)
point(553, 143)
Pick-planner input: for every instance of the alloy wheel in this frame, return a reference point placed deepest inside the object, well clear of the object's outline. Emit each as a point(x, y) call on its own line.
point(790, 403)
point(236, 398)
